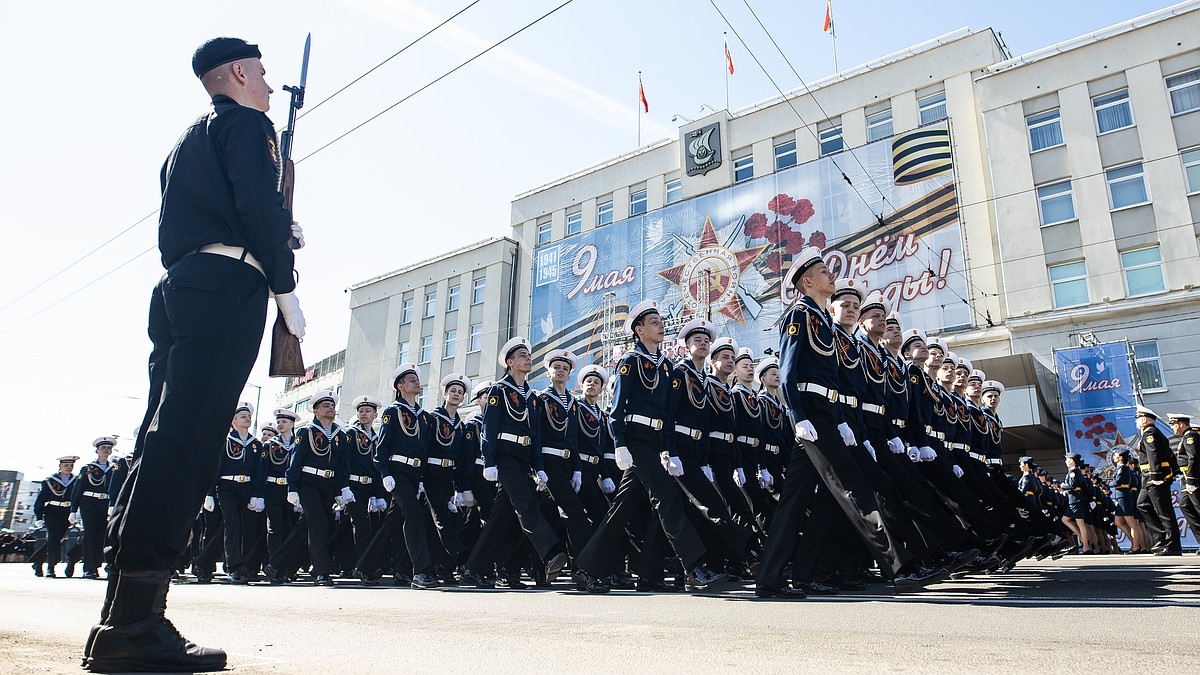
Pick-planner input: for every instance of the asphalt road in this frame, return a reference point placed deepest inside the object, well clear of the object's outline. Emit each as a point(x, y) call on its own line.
point(1078, 614)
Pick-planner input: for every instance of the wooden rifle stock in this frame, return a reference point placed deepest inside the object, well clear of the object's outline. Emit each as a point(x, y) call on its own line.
point(286, 359)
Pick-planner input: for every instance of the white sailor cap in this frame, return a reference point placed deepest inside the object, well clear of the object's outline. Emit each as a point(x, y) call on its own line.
point(874, 300)
point(323, 395)
point(1143, 411)
point(639, 310)
point(404, 369)
point(696, 326)
point(912, 335)
point(110, 440)
point(893, 318)
point(800, 264)
point(763, 366)
point(68, 458)
point(564, 355)
point(744, 353)
point(284, 412)
point(480, 389)
point(993, 385)
point(843, 287)
point(244, 405)
point(950, 358)
point(271, 428)
point(964, 363)
point(940, 344)
point(1172, 418)
point(594, 370)
point(511, 346)
point(976, 375)
point(720, 344)
point(367, 399)
point(460, 379)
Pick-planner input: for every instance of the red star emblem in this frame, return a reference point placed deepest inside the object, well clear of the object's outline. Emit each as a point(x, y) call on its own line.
point(710, 277)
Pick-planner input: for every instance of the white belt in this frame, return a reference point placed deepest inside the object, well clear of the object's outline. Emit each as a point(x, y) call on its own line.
point(479, 461)
point(976, 455)
point(773, 449)
point(817, 389)
point(645, 421)
point(557, 452)
point(994, 462)
point(411, 461)
point(958, 446)
point(58, 504)
point(240, 478)
point(319, 473)
point(235, 252)
point(590, 459)
point(752, 442)
point(96, 495)
point(365, 480)
point(278, 481)
point(899, 424)
point(694, 434)
point(610, 455)
point(941, 436)
point(513, 438)
point(721, 436)
point(872, 408)
point(444, 463)
point(851, 401)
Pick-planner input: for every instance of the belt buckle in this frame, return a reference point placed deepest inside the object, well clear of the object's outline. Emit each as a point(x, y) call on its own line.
point(415, 462)
point(327, 473)
point(594, 459)
point(656, 424)
point(566, 454)
point(241, 479)
point(525, 440)
point(832, 395)
point(695, 434)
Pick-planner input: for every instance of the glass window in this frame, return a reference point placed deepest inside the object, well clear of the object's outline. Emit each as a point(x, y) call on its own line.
point(1191, 168)
point(1055, 203)
point(674, 191)
point(831, 141)
point(426, 349)
point(1069, 283)
point(1113, 111)
point(406, 311)
point(574, 222)
point(422, 397)
point(450, 346)
point(1045, 130)
point(1149, 364)
point(604, 213)
point(932, 107)
point(1143, 271)
point(1184, 90)
point(743, 168)
point(476, 338)
point(543, 231)
point(637, 202)
point(403, 353)
point(1126, 185)
point(785, 155)
point(879, 125)
point(478, 288)
point(452, 299)
point(430, 303)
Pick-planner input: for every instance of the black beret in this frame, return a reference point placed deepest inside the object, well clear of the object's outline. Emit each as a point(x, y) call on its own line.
point(222, 50)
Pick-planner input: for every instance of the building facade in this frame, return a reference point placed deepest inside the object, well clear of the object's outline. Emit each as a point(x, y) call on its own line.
point(298, 391)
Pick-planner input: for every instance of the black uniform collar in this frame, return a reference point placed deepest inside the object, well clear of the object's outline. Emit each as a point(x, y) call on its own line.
point(441, 412)
point(741, 387)
point(508, 381)
point(688, 364)
point(368, 431)
point(811, 305)
point(233, 436)
point(64, 481)
point(565, 399)
point(640, 348)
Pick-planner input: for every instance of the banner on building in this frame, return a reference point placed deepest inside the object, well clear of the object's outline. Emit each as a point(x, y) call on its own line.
point(722, 254)
point(1095, 377)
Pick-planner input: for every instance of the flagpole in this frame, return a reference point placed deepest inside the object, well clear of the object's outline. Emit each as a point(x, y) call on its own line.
point(725, 67)
point(639, 109)
point(833, 34)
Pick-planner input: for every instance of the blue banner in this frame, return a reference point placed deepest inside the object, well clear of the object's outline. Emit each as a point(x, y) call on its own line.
point(1095, 378)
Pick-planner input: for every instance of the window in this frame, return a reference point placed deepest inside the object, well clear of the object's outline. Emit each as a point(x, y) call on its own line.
point(604, 213)
point(452, 299)
point(1143, 271)
point(1069, 282)
point(831, 141)
point(476, 338)
point(422, 397)
point(1126, 185)
point(574, 222)
point(1045, 130)
point(430, 303)
point(1149, 364)
point(1055, 203)
point(674, 191)
point(785, 155)
point(426, 349)
point(403, 353)
point(478, 288)
point(1184, 90)
point(1191, 169)
point(932, 107)
point(1113, 111)
point(879, 125)
point(743, 168)
point(450, 346)
point(543, 231)
point(637, 202)
point(406, 311)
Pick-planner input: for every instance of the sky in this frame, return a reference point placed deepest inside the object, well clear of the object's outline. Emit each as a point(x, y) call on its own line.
point(96, 94)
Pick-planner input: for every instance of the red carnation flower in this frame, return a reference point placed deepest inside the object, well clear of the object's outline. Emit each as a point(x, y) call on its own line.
point(756, 226)
point(782, 204)
point(1110, 427)
point(1088, 434)
point(1087, 421)
point(1078, 433)
point(817, 239)
point(802, 212)
point(1096, 442)
point(775, 262)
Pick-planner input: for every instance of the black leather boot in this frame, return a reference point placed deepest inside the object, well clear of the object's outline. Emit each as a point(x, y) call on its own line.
point(105, 609)
point(136, 636)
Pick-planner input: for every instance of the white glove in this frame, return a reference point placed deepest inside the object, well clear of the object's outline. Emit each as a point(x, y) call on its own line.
point(928, 454)
point(452, 505)
point(489, 473)
point(896, 446)
point(371, 506)
point(765, 479)
point(110, 511)
point(607, 486)
point(673, 466)
point(577, 481)
point(624, 459)
point(380, 504)
point(209, 504)
point(913, 453)
point(420, 488)
point(73, 518)
point(457, 501)
point(871, 449)
point(289, 307)
point(707, 471)
point(806, 431)
point(389, 483)
point(298, 235)
point(1189, 488)
point(468, 498)
point(297, 508)
point(958, 472)
point(257, 504)
point(293, 498)
point(347, 496)
point(847, 434)
point(1156, 482)
point(739, 476)
point(542, 480)
point(39, 524)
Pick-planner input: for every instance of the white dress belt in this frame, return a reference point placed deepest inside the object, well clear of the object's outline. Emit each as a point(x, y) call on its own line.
point(235, 252)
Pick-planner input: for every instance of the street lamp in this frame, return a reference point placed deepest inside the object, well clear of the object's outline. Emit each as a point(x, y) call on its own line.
point(257, 402)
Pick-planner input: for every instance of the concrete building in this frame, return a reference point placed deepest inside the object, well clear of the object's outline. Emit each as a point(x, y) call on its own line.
point(10, 496)
point(297, 391)
point(22, 514)
point(448, 314)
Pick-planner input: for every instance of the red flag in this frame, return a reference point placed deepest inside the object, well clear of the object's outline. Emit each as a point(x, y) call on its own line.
point(642, 94)
point(829, 16)
point(728, 57)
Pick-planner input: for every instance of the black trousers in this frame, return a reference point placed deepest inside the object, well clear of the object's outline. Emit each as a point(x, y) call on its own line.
point(515, 509)
point(94, 513)
point(207, 316)
point(721, 535)
point(360, 519)
point(402, 532)
point(723, 460)
point(954, 494)
point(1154, 503)
point(317, 501)
point(281, 518)
point(447, 525)
point(212, 542)
point(579, 528)
point(56, 530)
point(791, 516)
point(240, 522)
point(1189, 505)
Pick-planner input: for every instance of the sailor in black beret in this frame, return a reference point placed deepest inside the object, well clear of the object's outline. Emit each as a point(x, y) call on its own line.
point(222, 50)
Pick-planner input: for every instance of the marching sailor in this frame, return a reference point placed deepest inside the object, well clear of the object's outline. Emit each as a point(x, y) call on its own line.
point(52, 509)
point(90, 501)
